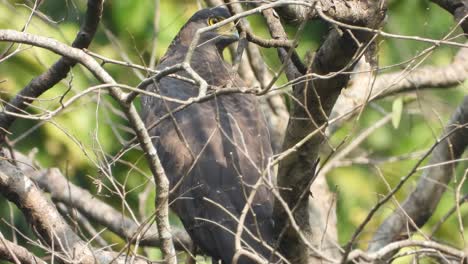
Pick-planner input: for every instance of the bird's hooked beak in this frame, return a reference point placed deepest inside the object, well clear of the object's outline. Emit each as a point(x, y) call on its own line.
point(229, 31)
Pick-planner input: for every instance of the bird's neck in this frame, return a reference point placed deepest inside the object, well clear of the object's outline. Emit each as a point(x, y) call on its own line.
point(210, 65)
point(206, 60)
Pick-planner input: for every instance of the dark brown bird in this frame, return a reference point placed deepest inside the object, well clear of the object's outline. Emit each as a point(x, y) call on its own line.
point(215, 151)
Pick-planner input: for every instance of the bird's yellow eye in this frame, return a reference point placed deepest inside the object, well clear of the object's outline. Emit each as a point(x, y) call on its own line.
point(213, 20)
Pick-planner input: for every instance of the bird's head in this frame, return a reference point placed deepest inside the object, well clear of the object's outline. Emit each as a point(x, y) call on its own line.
point(219, 37)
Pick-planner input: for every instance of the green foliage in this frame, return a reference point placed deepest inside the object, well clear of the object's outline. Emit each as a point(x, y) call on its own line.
point(93, 129)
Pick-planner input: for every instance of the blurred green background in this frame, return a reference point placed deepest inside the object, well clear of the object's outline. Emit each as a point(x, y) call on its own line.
point(83, 139)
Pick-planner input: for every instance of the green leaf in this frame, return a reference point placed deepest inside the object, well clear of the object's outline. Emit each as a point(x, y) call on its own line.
point(397, 111)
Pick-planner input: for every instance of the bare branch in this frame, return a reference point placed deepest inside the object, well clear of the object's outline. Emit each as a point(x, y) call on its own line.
point(306, 225)
point(40, 213)
point(13, 252)
point(382, 253)
point(422, 202)
point(361, 87)
point(162, 183)
point(55, 183)
point(354, 12)
point(379, 32)
point(424, 77)
point(313, 101)
point(57, 72)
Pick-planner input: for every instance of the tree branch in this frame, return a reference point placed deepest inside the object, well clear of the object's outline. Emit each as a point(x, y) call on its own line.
point(382, 253)
point(351, 12)
point(40, 213)
point(424, 77)
point(311, 105)
point(61, 190)
point(12, 252)
point(162, 183)
point(458, 8)
point(422, 202)
point(54, 74)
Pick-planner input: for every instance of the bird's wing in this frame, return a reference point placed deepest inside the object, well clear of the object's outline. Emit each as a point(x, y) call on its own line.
point(214, 152)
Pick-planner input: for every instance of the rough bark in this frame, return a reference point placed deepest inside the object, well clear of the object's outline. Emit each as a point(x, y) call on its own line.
point(350, 12)
point(53, 181)
point(311, 108)
point(42, 214)
point(17, 254)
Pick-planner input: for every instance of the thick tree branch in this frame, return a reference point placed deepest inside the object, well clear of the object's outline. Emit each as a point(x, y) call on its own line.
point(362, 88)
point(322, 231)
point(162, 183)
point(459, 10)
point(312, 104)
point(422, 202)
point(12, 252)
point(381, 255)
point(424, 77)
point(54, 74)
point(61, 190)
point(41, 213)
point(20, 190)
point(309, 112)
point(351, 12)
